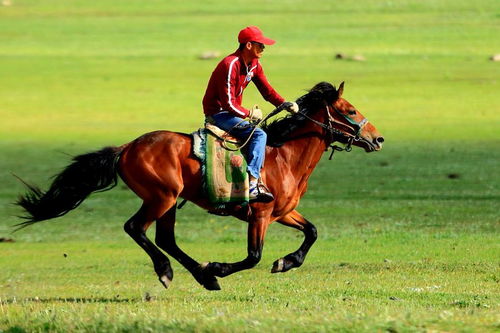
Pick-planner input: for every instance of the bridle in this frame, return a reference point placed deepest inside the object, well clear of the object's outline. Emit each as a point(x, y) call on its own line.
point(332, 131)
point(328, 126)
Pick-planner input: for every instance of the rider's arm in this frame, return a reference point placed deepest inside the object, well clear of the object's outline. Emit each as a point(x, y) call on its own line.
point(265, 88)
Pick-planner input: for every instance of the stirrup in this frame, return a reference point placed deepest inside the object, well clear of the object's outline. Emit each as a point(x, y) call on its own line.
point(260, 193)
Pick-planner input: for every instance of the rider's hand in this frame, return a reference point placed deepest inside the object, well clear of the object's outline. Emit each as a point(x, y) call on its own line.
point(294, 108)
point(291, 107)
point(255, 113)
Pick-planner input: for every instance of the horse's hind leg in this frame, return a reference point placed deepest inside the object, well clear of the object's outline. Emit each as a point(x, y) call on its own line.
point(165, 239)
point(295, 259)
point(136, 227)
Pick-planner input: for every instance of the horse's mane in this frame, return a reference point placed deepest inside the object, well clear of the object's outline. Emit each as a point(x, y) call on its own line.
point(278, 131)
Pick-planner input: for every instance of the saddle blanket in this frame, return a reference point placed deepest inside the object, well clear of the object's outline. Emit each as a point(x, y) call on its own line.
point(225, 176)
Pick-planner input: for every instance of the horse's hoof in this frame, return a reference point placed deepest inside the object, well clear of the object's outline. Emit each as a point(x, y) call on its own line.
point(285, 264)
point(165, 274)
point(211, 284)
point(278, 266)
point(165, 281)
point(206, 278)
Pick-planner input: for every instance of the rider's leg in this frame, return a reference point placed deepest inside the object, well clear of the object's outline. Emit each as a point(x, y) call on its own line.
point(256, 153)
point(236, 126)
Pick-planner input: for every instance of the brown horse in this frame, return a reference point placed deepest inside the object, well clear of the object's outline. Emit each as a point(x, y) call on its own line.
point(160, 167)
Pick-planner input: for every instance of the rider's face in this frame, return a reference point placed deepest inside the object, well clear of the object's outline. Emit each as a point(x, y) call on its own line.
point(256, 49)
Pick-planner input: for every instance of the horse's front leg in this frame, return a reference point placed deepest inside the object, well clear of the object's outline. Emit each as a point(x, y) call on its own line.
point(295, 259)
point(256, 233)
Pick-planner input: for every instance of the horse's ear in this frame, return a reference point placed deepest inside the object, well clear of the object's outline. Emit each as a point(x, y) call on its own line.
point(341, 89)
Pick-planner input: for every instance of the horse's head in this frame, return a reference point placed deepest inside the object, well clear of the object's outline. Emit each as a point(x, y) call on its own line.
point(344, 117)
point(325, 113)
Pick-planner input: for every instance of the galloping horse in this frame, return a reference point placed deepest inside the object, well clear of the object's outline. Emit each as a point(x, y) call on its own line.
point(160, 167)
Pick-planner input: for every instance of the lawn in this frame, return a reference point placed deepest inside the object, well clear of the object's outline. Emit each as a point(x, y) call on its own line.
point(408, 237)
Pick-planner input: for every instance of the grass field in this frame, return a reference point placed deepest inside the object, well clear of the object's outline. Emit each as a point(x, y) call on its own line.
point(408, 237)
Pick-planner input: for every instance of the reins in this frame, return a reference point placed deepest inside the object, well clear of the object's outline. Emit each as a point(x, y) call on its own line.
point(255, 125)
point(332, 131)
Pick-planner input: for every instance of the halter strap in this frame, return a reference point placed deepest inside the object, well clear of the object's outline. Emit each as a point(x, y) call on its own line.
point(332, 130)
point(360, 125)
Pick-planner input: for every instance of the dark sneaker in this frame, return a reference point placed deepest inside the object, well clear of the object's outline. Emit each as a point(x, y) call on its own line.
point(259, 193)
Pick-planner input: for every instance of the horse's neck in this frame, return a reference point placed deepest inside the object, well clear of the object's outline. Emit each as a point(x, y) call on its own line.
point(307, 148)
point(302, 155)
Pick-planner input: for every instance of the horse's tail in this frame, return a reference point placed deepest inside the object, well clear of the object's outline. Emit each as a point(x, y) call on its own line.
point(92, 172)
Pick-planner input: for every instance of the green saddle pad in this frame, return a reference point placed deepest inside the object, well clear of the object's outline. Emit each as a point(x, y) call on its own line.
point(226, 176)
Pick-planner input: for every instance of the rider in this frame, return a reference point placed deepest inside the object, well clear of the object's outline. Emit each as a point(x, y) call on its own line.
point(224, 94)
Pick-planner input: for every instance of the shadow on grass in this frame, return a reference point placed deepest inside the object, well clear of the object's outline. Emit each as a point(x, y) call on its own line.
point(73, 300)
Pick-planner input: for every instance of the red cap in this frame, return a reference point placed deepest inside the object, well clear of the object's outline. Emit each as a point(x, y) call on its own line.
point(253, 34)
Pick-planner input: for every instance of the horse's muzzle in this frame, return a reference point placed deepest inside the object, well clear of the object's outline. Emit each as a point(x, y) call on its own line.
point(373, 145)
point(377, 142)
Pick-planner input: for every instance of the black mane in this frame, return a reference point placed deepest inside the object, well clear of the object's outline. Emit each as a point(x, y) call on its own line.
point(278, 131)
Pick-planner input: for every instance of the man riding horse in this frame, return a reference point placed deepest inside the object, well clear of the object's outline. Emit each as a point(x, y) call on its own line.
point(160, 167)
point(224, 94)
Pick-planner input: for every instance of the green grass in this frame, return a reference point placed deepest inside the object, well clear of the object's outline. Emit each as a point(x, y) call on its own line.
point(106, 287)
point(408, 237)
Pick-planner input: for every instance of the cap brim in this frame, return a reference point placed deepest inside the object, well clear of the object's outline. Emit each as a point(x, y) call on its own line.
point(266, 41)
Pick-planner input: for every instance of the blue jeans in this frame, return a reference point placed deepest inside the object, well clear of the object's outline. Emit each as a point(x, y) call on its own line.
point(256, 149)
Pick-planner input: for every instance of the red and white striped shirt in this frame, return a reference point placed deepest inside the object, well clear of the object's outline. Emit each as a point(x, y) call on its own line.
point(229, 80)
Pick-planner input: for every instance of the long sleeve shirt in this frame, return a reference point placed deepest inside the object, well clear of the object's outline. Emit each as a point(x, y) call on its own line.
point(229, 80)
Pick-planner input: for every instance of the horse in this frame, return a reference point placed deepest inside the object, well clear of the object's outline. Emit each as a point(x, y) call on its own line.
point(160, 167)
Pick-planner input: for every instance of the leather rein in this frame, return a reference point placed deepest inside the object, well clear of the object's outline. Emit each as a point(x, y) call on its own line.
point(328, 126)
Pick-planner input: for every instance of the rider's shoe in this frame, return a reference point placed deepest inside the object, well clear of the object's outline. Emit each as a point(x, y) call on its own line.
point(258, 192)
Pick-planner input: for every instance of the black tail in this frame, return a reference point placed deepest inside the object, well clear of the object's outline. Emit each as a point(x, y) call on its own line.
point(92, 172)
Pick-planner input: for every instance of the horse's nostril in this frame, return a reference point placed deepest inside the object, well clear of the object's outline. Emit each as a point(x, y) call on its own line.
point(380, 139)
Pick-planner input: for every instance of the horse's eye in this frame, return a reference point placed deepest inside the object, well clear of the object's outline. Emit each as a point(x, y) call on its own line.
point(352, 112)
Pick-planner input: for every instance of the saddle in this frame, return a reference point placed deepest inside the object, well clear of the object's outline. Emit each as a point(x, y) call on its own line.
point(224, 168)
point(222, 135)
